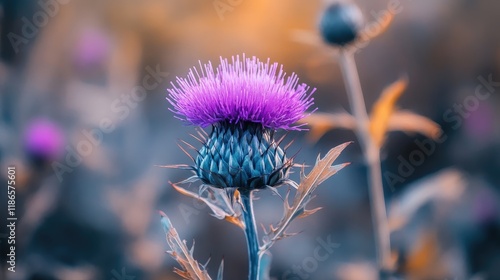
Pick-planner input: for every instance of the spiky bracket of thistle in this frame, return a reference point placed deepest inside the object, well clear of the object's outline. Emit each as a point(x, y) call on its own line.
point(191, 269)
point(245, 102)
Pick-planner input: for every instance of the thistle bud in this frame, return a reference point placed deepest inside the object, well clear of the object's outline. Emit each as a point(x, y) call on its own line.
point(341, 23)
point(241, 156)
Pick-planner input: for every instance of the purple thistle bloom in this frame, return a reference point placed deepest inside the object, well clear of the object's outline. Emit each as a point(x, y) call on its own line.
point(43, 140)
point(244, 101)
point(239, 91)
point(92, 48)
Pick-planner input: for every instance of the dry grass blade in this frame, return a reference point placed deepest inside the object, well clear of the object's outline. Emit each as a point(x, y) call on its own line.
point(383, 109)
point(191, 269)
point(218, 202)
point(321, 123)
point(408, 121)
point(322, 170)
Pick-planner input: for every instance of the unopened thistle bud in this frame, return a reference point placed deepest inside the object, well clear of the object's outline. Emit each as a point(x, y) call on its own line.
point(244, 101)
point(341, 23)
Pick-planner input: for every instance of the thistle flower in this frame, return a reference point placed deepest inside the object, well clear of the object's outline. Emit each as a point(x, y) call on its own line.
point(244, 101)
point(43, 140)
point(92, 48)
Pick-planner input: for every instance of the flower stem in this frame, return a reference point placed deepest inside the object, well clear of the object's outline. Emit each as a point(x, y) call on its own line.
point(372, 156)
point(251, 235)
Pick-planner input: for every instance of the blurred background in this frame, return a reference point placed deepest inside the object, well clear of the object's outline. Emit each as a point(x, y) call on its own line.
point(84, 119)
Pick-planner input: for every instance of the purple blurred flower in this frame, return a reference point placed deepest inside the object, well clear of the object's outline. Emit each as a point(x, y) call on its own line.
point(43, 139)
point(485, 207)
point(93, 46)
point(480, 123)
point(239, 91)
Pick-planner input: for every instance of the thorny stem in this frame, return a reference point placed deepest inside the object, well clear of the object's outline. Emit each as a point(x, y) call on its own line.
point(372, 156)
point(251, 236)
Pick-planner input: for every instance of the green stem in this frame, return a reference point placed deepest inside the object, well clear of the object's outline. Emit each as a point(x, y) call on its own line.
point(372, 156)
point(251, 235)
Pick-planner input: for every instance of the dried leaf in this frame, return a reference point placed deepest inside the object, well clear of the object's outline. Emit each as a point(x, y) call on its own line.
point(408, 121)
point(424, 257)
point(307, 213)
point(321, 123)
point(235, 221)
point(383, 109)
point(191, 269)
point(322, 170)
point(217, 201)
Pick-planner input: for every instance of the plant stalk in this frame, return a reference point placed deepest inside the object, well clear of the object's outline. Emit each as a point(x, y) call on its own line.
point(372, 156)
point(251, 235)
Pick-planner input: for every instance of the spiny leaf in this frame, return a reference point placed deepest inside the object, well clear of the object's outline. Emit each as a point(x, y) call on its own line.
point(307, 213)
point(383, 109)
point(408, 121)
point(217, 201)
point(321, 123)
point(235, 221)
point(191, 269)
point(320, 172)
point(176, 166)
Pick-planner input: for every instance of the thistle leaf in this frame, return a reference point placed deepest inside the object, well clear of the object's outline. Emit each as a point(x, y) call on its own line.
point(322, 170)
point(321, 123)
point(217, 201)
point(408, 121)
point(383, 109)
point(307, 213)
point(191, 269)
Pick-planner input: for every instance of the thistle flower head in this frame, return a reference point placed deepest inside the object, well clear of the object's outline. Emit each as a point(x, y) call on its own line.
point(244, 101)
point(246, 90)
point(43, 140)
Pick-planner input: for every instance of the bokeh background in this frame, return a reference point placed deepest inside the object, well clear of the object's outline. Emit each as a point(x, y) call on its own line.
point(91, 76)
